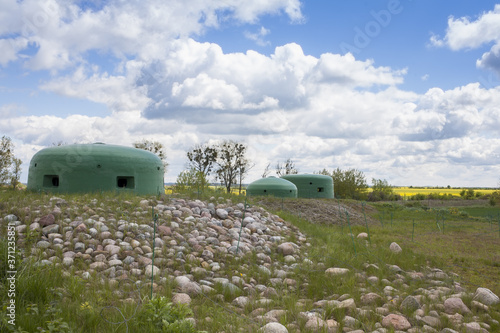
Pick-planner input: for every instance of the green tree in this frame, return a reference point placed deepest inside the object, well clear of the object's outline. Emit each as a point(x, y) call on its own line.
point(231, 162)
point(286, 168)
point(381, 190)
point(155, 147)
point(348, 184)
point(243, 166)
point(467, 194)
point(494, 198)
point(6, 156)
point(266, 170)
point(16, 172)
point(10, 166)
point(190, 179)
point(202, 158)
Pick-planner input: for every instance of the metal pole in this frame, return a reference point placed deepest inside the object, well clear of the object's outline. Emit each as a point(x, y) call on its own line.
point(352, 237)
point(340, 215)
point(437, 221)
point(366, 222)
point(155, 218)
point(241, 226)
point(413, 232)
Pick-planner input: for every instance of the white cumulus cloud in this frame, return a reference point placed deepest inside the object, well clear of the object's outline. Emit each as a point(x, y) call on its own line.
point(464, 33)
point(63, 31)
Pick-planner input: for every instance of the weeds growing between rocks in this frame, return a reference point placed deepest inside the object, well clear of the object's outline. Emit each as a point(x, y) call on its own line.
point(91, 275)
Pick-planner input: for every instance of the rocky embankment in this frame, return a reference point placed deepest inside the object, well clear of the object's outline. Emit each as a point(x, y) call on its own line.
point(201, 247)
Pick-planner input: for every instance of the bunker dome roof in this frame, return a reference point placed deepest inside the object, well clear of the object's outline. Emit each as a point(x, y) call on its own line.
point(312, 185)
point(96, 167)
point(272, 186)
point(272, 183)
point(307, 176)
point(82, 151)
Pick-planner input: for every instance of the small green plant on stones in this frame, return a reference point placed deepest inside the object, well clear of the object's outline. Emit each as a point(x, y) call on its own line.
point(52, 319)
point(167, 317)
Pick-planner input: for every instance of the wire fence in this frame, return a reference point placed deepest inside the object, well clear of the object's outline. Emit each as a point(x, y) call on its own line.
point(439, 222)
point(413, 232)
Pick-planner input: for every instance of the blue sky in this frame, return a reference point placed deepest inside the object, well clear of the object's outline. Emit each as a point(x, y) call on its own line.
point(406, 91)
point(402, 42)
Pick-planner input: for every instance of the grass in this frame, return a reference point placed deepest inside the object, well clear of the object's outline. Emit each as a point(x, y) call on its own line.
point(51, 300)
point(466, 244)
point(491, 213)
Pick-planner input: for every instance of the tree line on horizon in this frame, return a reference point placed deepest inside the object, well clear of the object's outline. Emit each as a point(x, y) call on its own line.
point(227, 162)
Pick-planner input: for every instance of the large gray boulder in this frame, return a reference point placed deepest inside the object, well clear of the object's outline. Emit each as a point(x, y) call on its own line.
point(273, 328)
point(486, 296)
point(222, 213)
point(395, 248)
point(396, 321)
point(455, 305)
point(410, 303)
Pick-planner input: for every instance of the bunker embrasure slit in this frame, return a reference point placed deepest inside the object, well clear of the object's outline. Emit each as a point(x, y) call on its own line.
point(50, 181)
point(125, 182)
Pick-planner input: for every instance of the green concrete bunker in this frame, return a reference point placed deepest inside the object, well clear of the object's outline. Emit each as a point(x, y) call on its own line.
point(312, 186)
point(95, 167)
point(272, 186)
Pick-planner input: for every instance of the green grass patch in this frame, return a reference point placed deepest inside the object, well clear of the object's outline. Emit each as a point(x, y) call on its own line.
point(486, 212)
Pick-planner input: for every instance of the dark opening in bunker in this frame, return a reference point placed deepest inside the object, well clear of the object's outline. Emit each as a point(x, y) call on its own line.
point(125, 182)
point(50, 181)
point(321, 189)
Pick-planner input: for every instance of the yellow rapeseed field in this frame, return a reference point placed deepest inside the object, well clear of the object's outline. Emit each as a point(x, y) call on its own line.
point(403, 191)
point(407, 191)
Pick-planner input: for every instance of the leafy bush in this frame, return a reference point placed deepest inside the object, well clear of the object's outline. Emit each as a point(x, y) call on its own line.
point(382, 191)
point(467, 194)
point(164, 316)
point(418, 196)
point(190, 179)
point(431, 196)
point(413, 204)
point(348, 184)
point(494, 198)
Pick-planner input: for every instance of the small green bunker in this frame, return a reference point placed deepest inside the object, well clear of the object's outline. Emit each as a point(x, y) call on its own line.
point(312, 186)
point(272, 186)
point(95, 167)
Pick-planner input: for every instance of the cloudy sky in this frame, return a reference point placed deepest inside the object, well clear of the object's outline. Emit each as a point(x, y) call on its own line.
point(407, 91)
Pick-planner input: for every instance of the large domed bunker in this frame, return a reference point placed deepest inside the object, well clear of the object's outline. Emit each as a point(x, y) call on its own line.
point(272, 186)
point(95, 167)
point(312, 186)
